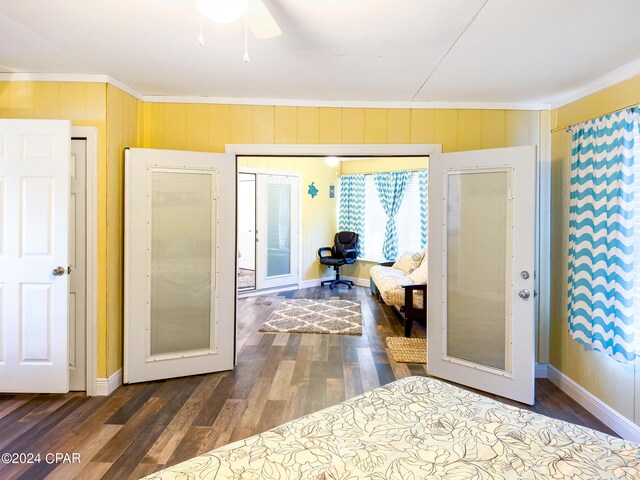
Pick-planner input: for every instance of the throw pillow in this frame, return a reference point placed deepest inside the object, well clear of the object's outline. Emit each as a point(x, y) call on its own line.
point(408, 261)
point(420, 274)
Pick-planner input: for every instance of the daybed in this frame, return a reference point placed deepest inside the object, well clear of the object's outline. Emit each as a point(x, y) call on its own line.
point(403, 285)
point(419, 428)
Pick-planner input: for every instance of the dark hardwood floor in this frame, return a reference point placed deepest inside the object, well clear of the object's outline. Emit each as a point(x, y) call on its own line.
point(143, 427)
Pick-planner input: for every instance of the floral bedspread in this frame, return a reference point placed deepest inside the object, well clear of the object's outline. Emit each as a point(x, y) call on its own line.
point(418, 428)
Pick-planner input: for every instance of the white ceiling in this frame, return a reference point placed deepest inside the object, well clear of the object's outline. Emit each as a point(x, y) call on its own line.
point(346, 50)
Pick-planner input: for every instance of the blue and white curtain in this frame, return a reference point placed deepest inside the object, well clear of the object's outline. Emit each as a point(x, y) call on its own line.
point(391, 186)
point(601, 234)
point(351, 214)
point(423, 178)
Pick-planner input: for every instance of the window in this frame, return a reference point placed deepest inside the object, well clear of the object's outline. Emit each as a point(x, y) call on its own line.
point(408, 224)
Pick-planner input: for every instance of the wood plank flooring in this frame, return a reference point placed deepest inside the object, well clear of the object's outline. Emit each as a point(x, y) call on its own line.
point(143, 427)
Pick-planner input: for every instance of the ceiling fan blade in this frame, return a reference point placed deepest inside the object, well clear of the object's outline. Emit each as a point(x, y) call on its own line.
point(261, 23)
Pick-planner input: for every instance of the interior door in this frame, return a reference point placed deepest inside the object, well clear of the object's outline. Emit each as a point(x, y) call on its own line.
point(34, 214)
point(180, 263)
point(481, 302)
point(247, 221)
point(277, 236)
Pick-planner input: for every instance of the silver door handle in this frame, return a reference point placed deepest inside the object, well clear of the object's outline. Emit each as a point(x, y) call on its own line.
point(58, 271)
point(524, 293)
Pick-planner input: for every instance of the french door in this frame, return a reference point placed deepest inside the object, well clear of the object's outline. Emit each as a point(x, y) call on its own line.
point(277, 229)
point(481, 300)
point(34, 239)
point(180, 263)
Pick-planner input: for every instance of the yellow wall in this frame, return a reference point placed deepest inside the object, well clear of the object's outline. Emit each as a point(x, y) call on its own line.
point(382, 164)
point(605, 378)
point(124, 121)
point(318, 214)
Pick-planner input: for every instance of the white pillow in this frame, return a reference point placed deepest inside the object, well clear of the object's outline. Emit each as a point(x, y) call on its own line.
point(420, 274)
point(408, 262)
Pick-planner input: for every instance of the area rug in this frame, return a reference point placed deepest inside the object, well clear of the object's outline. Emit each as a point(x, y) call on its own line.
point(338, 317)
point(407, 350)
point(246, 278)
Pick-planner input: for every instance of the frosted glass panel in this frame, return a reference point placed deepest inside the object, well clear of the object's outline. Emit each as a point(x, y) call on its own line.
point(278, 229)
point(477, 232)
point(181, 261)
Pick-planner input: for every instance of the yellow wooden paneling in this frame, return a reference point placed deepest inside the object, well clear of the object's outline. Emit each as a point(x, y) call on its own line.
point(157, 126)
point(518, 127)
point(308, 125)
point(46, 96)
point(375, 125)
point(422, 126)
point(263, 124)
point(175, 126)
point(330, 125)
point(352, 125)
point(493, 128)
point(220, 127)
point(286, 124)
point(399, 125)
point(197, 127)
point(5, 99)
point(445, 130)
point(241, 124)
point(469, 130)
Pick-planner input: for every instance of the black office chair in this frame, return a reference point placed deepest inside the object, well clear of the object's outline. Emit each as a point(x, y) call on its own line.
point(343, 252)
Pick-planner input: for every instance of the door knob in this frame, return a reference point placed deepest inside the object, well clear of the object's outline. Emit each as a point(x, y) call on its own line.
point(524, 293)
point(58, 271)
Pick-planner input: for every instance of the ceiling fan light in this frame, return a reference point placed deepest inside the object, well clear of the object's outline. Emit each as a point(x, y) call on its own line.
point(222, 11)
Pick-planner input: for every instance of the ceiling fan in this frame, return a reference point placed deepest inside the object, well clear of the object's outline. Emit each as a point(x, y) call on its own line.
point(258, 18)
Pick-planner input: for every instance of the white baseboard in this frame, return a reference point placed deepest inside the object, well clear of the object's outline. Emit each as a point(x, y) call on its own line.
point(106, 386)
point(541, 370)
point(361, 282)
point(603, 412)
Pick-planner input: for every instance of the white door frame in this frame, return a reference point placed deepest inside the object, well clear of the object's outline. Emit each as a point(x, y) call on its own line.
point(91, 136)
point(285, 173)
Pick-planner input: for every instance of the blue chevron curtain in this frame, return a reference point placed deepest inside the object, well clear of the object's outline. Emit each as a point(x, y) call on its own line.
point(601, 234)
point(351, 213)
point(391, 186)
point(423, 178)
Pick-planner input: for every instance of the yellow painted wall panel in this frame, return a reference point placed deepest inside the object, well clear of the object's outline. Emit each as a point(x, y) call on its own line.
point(175, 126)
point(156, 126)
point(286, 125)
point(73, 101)
point(330, 125)
point(352, 125)
point(220, 125)
point(46, 95)
point(308, 125)
point(197, 127)
point(398, 125)
point(422, 126)
point(493, 129)
point(445, 130)
point(375, 125)
point(5, 99)
point(518, 127)
point(469, 130)
point(241, 124)
point(383, 164)
point(263, 124)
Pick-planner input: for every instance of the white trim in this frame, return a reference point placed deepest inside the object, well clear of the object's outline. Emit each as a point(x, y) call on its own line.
point(298, 102)
point(541, 370)
point(619, 75)
point(266, 291)
point(106, 386)
point(69, 77)
point(91, 136)
point(603, 412)
point(316, 282)
point(319, 150)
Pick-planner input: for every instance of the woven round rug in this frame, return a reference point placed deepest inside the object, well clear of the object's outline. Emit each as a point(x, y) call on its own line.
point(407, 350)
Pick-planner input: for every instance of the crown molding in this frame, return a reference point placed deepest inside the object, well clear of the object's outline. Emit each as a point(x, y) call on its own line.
point(285, 102)
point(68, 77)
point(621, 74)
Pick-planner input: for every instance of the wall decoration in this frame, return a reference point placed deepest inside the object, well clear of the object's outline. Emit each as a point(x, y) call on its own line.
point(332, 191)
point(313, 191)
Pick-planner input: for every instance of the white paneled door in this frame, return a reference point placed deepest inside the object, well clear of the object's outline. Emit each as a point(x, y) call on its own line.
point(34, 212)
point(481, 300)
point(180, 263)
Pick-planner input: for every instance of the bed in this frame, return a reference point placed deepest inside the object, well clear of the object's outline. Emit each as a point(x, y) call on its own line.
point(418, 428)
